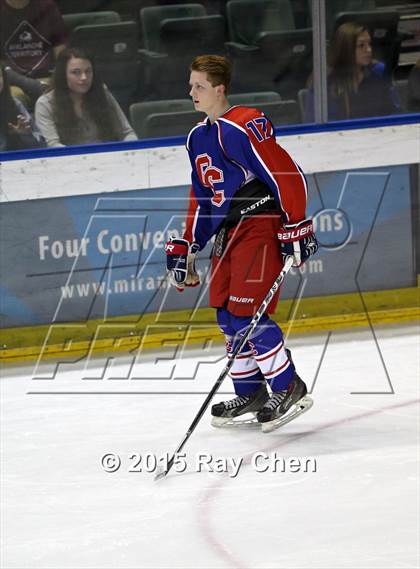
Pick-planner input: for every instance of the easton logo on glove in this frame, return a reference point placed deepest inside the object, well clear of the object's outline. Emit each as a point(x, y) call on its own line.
point(298, 241)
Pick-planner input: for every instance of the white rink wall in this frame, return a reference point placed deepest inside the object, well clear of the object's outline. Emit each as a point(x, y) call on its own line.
point(84, 174)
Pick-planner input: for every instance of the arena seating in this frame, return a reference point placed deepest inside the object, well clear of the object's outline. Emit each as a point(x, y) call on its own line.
point(263, 37)
point(269, 52)
point(176, 117)
point(172, 36)
point(73, 21)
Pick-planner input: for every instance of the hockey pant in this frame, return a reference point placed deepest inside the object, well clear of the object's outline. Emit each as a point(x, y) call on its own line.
point(262, 358)
point(249, 265)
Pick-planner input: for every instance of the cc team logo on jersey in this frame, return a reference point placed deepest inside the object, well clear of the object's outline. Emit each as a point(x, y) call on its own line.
point(210, 175)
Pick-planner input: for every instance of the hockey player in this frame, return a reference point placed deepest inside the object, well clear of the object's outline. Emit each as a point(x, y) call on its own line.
point(249, 193)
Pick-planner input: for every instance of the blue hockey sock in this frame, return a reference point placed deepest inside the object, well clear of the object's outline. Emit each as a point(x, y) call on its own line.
point(268, 349)
point(245, 373)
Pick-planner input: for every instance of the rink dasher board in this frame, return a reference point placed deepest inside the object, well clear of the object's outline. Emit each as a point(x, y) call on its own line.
point(144, 168)
point(100, 172)
point(30, 343)
point(99, 256)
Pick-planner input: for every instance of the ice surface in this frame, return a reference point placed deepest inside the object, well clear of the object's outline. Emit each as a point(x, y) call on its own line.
point(360, 508)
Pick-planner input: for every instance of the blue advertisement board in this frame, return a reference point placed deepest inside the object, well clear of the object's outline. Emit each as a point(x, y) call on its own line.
point(99, 256)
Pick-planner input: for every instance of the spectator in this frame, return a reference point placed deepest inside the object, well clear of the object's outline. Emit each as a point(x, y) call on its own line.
point(17, 130)
point(357, 86)
point(413, 96)
point(80, 109)
point(32, 33)
point(27, 89)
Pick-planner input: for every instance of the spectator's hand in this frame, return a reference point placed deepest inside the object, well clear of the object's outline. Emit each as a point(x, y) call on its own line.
point(23, 125)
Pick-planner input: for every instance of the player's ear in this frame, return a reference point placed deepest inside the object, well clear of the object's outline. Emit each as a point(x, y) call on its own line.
point(220, 89)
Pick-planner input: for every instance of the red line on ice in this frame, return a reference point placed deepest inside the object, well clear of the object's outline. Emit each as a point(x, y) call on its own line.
point(210, 495)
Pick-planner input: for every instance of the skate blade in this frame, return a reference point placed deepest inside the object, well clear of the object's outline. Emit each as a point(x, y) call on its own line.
point(227, 422)
point(300, 407)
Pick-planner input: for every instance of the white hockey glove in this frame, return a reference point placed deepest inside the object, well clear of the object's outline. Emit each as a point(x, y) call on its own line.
point(298, 241)
point(180, 262)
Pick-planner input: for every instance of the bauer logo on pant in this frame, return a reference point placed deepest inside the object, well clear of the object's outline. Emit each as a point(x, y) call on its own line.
point(242, 299)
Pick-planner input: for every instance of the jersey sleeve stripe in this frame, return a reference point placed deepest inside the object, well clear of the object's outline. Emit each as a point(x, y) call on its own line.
point(233, 124)
point(259, 159)
point(194, 224)
point(219, 137)
point(190, 133)
point(264, 165)
point(305, 184)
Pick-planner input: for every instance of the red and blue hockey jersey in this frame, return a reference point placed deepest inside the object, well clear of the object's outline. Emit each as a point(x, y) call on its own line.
point(238, 147)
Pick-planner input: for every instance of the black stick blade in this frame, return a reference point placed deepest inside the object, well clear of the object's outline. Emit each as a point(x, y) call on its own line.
point(161, 474)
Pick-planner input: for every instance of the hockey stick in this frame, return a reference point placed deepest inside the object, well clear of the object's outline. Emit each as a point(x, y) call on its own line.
point(269, 296)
